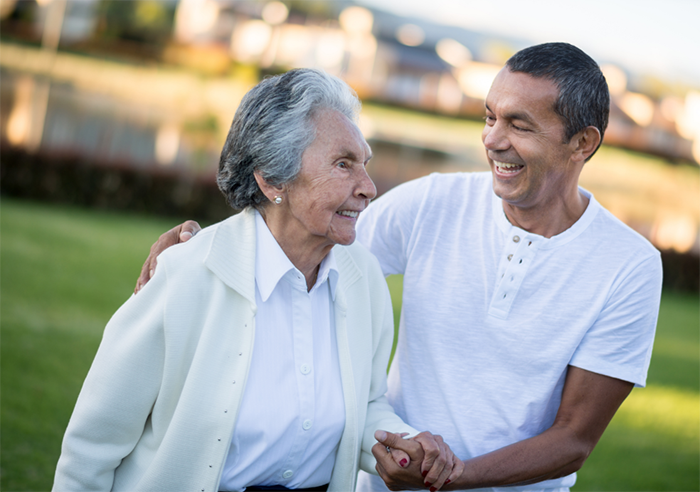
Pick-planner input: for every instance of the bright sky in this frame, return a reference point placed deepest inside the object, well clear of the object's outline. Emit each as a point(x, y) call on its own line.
point(660, 37)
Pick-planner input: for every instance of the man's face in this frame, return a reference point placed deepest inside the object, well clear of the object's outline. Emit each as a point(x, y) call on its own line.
point(524, 141)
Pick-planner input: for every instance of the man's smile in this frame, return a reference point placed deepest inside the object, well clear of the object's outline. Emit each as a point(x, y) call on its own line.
point(507, 167)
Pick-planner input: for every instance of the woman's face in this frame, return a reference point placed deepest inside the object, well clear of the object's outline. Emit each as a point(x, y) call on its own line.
point(333, 186)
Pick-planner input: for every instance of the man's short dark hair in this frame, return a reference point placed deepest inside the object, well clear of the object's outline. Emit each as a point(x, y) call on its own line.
point(584, 99)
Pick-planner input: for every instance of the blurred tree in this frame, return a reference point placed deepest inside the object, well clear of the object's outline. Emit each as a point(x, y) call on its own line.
point(18, 22)
point(144, 21)
point(303, 10)
point(6, 8)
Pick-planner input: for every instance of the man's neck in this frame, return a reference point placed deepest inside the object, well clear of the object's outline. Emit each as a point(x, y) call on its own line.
point(548, 219)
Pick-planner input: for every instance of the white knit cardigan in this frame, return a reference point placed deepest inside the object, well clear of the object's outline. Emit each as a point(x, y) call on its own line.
point(159, 405)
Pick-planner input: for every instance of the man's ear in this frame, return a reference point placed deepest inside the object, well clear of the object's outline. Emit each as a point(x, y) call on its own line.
point(268, 190)
point(586, 142)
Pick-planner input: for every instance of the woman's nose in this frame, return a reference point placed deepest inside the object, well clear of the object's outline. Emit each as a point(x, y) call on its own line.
point(365, 186)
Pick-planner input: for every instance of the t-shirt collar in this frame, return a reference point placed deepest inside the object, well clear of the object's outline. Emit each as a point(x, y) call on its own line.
point(572, 232)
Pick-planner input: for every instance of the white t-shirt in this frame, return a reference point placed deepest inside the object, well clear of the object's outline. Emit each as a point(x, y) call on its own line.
point(492, 315)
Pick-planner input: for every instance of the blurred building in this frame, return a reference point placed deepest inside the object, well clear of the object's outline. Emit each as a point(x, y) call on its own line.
point(389, 59)
point(149, 83)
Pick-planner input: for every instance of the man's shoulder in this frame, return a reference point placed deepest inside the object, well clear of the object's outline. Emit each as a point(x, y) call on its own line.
point(439, 190)
point(462, 180)
point(440, 181)
point(620, 235)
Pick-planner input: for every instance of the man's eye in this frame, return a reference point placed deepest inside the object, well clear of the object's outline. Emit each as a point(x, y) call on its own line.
point(520, 128)
point(489, 119)
point(343, 164)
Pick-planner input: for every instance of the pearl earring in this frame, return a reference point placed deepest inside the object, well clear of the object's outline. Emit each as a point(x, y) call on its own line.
point(278, 199)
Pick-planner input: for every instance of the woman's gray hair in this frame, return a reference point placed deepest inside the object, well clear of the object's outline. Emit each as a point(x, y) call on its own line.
point(273, 126)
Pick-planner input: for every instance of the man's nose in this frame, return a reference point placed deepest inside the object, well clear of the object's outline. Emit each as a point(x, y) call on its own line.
point(495, 137)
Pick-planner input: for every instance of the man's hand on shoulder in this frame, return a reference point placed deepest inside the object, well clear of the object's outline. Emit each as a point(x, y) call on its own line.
point(178, 234)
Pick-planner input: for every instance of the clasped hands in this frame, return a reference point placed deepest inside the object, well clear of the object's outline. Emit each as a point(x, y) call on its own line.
point(430, 463)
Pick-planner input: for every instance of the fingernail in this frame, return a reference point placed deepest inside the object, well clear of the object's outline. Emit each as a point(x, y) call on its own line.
point(424, 473)
point(428, 484)
point(447, 481)
point(432, 489)
point(150, 273)
point(380, 435)
point(403, 462)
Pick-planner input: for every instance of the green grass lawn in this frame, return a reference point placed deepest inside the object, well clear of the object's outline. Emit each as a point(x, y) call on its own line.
point(64, 271)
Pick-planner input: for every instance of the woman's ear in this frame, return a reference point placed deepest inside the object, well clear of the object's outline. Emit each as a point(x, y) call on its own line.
point(273, 193)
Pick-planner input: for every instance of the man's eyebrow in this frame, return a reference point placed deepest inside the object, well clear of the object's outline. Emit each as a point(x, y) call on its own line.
point(515, 116)
point(521, 117)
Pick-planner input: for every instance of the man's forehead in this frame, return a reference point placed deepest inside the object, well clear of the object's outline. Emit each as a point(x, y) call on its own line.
point(520, 91)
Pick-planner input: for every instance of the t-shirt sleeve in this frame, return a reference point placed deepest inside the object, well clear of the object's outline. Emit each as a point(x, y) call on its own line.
point(385, 228)
point(620, 342)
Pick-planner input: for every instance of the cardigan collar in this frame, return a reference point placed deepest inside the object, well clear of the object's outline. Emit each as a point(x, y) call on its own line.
point(231, 256)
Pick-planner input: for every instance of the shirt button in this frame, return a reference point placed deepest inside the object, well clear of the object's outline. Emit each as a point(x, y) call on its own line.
point(305, 369)
point(288, 474)
point(510, 257)
point(516, 239)
point(306, 425)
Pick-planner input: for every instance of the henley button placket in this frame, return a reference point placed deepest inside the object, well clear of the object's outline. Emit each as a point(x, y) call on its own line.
point(516, 259)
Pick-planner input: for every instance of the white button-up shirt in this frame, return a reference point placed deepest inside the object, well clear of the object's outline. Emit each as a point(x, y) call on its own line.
point(292, 414)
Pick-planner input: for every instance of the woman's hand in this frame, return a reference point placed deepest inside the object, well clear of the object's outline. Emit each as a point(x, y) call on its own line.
point(178, 234)
point(401, 458)
point(432, 463)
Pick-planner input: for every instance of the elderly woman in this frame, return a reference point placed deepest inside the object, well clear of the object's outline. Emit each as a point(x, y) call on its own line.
point(256, 356)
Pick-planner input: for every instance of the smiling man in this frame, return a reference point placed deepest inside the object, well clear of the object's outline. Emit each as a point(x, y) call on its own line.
point(529, 310)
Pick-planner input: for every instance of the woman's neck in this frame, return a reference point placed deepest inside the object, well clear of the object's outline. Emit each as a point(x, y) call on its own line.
point(305, 252)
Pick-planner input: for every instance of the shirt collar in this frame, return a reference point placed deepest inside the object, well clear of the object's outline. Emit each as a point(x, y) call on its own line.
point(272, 264)
point(555, 241)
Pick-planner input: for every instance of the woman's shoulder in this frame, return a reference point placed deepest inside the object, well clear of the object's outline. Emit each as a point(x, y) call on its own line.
point(192, 251)
point(196, 250)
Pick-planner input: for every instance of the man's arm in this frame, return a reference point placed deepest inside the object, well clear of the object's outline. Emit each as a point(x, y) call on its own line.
point(589, 401)
point(178, 234)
